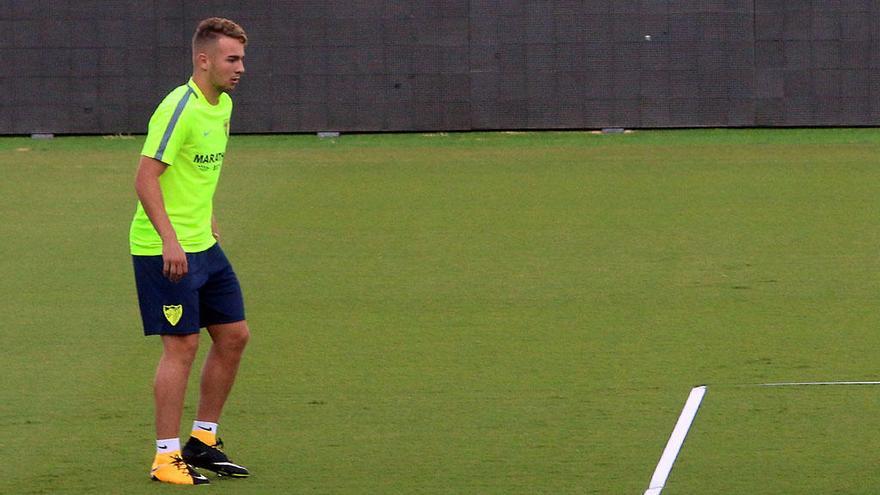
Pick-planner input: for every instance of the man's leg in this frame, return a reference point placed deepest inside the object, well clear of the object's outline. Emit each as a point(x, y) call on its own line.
point(169, 390)
point(221, 367)
point(203, 449)
point(169, 387)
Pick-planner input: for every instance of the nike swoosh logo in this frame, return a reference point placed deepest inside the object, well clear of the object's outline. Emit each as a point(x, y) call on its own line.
point(163, 446)
point(206, 429)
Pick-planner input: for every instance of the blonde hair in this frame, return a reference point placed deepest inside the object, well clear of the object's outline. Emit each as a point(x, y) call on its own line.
point(212, 28)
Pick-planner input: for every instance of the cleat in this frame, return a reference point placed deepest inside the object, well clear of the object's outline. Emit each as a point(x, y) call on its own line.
point(173, 469)
point(212, 458)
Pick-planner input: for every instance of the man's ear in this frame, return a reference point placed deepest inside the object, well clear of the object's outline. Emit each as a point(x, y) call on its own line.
point(202, 60)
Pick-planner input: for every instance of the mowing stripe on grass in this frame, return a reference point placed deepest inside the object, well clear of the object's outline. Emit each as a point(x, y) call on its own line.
point(676, 440)
point(804, 384)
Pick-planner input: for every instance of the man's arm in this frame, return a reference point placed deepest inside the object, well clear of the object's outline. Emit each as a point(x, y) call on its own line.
point(214, 229)
point(150, 194)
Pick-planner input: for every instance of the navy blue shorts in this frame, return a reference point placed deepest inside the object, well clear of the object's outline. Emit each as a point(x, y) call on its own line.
point(209, 294)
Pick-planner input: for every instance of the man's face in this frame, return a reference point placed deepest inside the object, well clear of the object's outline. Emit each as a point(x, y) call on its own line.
point(225, 63)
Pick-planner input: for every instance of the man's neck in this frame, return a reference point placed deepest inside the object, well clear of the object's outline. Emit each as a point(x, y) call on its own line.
point(212, 95)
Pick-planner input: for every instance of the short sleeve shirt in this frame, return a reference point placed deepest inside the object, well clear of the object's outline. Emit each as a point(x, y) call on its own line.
point(189, 135)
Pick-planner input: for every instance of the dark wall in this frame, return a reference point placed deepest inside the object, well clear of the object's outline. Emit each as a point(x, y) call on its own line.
point(92, 66)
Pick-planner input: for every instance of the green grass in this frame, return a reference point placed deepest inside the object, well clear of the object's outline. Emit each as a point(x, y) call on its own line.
point(467, 313)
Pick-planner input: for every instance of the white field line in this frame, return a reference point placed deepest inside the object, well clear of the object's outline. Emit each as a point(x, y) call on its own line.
point(686, 419)
point(676, 440)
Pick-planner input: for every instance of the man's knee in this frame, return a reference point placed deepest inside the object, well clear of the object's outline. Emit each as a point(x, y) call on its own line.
point(237, 341)
point(181, 348)
point(231, 337)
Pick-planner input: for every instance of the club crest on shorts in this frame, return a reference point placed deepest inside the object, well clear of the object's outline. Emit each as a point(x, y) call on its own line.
point(173, 313)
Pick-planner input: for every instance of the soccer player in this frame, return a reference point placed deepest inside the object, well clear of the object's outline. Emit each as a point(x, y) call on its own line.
point(184, 281)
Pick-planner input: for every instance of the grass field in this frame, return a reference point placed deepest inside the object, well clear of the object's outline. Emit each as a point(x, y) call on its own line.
point(467, 313)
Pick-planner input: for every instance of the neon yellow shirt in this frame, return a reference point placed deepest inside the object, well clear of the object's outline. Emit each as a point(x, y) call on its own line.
point(189, 135)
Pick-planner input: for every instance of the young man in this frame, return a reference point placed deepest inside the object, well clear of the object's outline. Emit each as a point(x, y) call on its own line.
point(184, 281)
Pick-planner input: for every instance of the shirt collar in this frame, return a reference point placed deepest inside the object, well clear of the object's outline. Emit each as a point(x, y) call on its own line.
point(195, 89)
point(200, 96)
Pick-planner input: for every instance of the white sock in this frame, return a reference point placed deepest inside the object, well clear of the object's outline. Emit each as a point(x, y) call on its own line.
point(167, 446)
point(205, 426)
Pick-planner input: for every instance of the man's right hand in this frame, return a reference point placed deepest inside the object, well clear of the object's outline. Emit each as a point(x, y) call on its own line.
point(175, 266)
